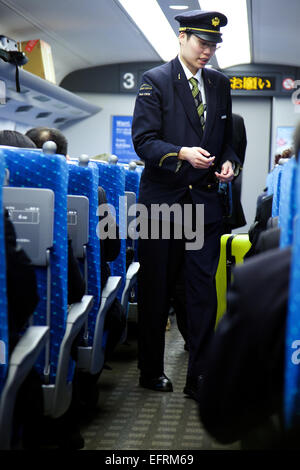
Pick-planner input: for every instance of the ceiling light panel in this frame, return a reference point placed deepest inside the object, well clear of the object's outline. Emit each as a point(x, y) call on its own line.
point(178, 7)
point(150, 19)
point(236, 44)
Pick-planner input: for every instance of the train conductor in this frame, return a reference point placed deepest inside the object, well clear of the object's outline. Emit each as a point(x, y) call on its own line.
point(182, 130)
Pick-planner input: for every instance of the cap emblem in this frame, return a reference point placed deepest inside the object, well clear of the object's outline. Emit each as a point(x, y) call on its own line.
point(215, 21)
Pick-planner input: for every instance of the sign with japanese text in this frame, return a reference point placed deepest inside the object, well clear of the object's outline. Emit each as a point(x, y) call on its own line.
point(252, 83)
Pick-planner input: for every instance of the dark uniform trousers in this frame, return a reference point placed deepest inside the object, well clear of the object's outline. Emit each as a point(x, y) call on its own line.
point(161, 264)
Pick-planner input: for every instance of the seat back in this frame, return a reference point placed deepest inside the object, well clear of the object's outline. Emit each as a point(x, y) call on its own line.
point(132, 184)
point(112, 180)
point(132, 179)
point(78, 224)
point(3, 301)
point(276, 189)
point(292, 341)
point(31, 210)
point(33, 169)
point(287, 203)
point(83, 181)
point(131, 217)
point(269, 183)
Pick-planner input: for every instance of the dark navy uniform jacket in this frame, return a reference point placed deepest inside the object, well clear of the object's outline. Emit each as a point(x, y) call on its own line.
point(165, 119)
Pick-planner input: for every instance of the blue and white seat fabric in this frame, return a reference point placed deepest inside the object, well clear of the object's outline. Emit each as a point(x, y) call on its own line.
point(112, 179)
point(83, 181)
point(277, 172)
point(132, 180)
point(287, 203)
point(32, 169)
point(292, 345)
point(3, 301)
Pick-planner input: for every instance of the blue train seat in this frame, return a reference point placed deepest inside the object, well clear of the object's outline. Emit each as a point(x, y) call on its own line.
point(269, 183)
point(13, 368)
point(112, 179)
point(287, 203)
point(83, 182)
point(292, 343)
point(33, 169)
point(132, 184)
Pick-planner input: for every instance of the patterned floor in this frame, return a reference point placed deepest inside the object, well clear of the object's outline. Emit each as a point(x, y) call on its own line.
point(129, 417)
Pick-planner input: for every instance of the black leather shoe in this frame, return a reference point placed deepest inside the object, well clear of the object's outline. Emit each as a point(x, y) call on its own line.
point(192, 387)
point(159, 384)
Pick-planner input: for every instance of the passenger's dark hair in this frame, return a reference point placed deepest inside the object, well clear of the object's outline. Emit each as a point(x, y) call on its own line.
point(287, 153)
point(40, 135)
point(277, 158)
point(15, 139)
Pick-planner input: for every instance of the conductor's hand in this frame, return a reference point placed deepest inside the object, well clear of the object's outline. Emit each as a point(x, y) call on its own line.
point(196, 156)
point(226, 174)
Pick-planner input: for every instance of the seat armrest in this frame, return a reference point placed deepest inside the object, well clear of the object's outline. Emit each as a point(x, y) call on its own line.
point(132, 270)
point(29, 346)
point(79, 311)
point(108, 296)
point(21, 362)
point(131, 276)
point(75, 321)
point(111, 287)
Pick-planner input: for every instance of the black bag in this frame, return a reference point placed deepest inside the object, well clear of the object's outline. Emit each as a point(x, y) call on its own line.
point(9, 53)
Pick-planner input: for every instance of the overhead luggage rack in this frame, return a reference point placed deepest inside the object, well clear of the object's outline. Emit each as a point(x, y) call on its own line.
point(39, 103)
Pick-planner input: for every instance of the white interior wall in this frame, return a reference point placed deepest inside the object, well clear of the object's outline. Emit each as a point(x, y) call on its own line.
point(256, 112)
point(93, 135)
point(284, 114)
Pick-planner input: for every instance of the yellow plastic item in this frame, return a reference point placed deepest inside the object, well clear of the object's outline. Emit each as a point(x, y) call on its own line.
point(240, 245)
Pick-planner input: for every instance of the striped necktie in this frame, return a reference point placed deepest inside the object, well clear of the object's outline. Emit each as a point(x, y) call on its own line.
point(198, 100)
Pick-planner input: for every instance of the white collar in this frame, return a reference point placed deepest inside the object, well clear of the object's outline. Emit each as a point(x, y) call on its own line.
point(189, 74)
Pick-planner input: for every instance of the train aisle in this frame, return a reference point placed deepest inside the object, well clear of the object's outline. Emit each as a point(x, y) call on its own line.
point(129, 417)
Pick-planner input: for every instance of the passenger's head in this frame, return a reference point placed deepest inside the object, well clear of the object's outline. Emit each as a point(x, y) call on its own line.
point(287, 153)
point(40, 135)
point(15, 139)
